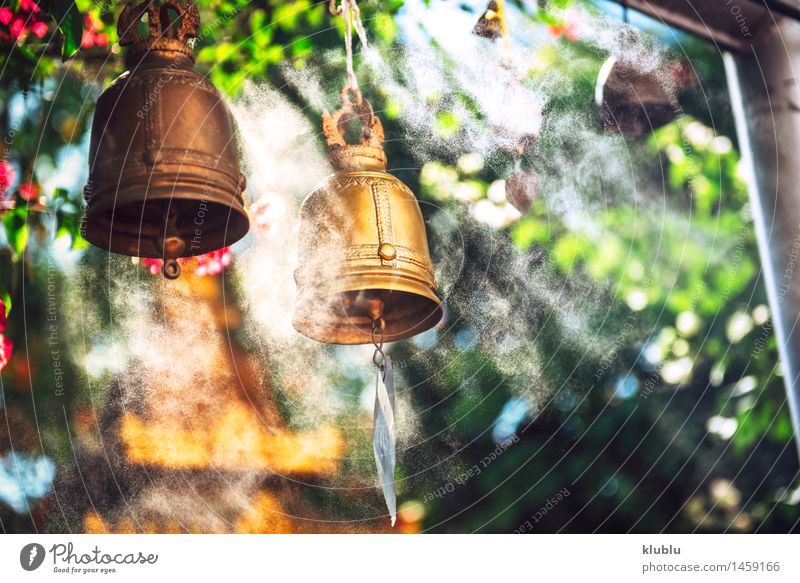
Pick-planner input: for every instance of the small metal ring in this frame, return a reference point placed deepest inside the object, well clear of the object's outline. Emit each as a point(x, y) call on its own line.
point(378, 324)
point(171, 268)
point(347, 90)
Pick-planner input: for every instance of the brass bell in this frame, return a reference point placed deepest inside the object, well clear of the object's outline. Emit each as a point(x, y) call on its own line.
point(489, 24)
point(633, 102)
point(164, 177)
point(363, 253)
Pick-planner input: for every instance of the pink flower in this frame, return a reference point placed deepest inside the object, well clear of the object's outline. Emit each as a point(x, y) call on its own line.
point(7, 176)
point(17, 28)
point(6, 15)
point(5, 351)
point(5, 343)
point(87, 39)
point(213, 262)
point(154, 265)
point(29, 6)
point(39, 29)
point(92, 37)
point(29, 191)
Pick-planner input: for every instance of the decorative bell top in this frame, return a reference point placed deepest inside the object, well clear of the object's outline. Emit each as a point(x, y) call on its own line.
point(166, 35)
point(369, 154)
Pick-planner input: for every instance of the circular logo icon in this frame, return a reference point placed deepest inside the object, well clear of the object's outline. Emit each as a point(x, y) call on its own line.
point(31, 556)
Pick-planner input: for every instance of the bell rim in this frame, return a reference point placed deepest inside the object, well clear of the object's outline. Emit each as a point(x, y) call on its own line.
point(308, 301)
point(102, 233)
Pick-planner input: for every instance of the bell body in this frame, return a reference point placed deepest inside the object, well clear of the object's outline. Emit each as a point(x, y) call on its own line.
point(164, 177)
point(632, 102)
point(363, 251)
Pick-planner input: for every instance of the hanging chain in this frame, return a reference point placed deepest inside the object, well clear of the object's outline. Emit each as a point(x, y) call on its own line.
point(378, 357)
point(351, 13)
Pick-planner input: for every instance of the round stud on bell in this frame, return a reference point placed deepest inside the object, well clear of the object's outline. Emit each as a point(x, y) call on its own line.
point(633, 102)
point(164, 176)
point(363, 252)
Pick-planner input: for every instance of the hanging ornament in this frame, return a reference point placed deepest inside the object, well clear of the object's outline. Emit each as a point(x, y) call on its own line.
point(522, 188)
point(632, 101)
point(364, 271)
point(164, 177)
point(489, 25)
point(363, 249)
point(384, 438)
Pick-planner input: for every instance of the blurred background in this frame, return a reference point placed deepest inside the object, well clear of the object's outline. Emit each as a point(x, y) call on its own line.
point(606, 362)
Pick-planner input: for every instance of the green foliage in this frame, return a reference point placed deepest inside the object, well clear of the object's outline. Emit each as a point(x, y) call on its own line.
point(69, 20)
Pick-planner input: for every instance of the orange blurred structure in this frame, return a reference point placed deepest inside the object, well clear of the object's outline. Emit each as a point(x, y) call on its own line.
point(206, 449)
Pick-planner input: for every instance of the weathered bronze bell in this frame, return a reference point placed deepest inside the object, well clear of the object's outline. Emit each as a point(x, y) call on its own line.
point(633, 102)
point(363, 255)
point(164, 177)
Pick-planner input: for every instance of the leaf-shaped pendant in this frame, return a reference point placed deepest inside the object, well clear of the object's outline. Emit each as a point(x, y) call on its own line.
point(384, 437)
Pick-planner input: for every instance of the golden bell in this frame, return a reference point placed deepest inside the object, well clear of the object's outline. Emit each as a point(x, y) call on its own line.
point(164, 177)
point(363, 254)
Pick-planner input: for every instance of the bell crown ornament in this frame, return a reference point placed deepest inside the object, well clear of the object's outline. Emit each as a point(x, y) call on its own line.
point(164, 175)
point(363, 251)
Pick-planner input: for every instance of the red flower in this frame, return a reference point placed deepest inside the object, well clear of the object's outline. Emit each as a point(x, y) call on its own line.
point(7, 176)
point(154, 265)
point(29, 191)
point(39, 29)
point(5, 351)
point(214, 262)
point(6, 15)
point(29, 6)
point(92, 37)
point(210, 263)
point(17, 28)
point(5, 343)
